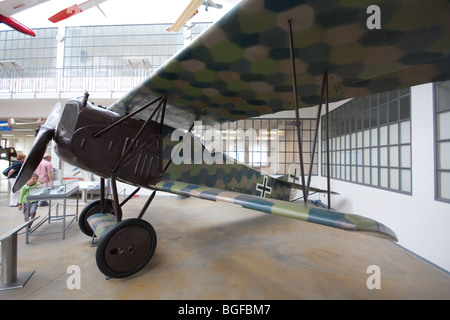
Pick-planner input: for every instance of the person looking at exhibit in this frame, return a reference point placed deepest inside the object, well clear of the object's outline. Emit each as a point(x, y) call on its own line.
point(45, 173)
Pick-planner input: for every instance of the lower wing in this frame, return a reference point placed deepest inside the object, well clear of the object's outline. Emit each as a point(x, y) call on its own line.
point(350, 222)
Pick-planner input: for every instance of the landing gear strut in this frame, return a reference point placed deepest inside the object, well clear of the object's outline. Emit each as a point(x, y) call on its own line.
point(124, 246)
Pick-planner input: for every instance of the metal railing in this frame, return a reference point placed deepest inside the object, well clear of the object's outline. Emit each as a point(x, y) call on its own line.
point(71, 80)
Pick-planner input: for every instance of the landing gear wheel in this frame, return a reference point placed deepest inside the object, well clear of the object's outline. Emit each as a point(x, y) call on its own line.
point(126, 248)
point(89, 210)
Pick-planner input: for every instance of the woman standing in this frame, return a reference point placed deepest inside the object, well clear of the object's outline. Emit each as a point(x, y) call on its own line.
point(12, 175)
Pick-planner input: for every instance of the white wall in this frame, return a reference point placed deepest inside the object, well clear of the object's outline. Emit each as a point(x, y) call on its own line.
point(421, 223)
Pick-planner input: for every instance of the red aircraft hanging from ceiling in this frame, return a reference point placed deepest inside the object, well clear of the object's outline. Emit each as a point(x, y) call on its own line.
point(8, 8)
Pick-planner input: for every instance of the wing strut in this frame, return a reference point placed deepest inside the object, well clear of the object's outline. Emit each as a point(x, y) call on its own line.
point(324, 91)
point(297, 116)
point(319, 112)
point(128, 116)
point(162, 101)
point(327, 112)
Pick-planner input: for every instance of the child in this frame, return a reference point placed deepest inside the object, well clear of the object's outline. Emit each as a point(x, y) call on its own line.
point(29, 213)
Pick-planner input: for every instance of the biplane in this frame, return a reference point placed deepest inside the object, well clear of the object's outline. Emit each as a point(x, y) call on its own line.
point(262, 57)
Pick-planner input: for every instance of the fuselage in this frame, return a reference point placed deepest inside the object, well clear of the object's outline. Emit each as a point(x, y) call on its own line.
point(150, 158)
point(76, 145)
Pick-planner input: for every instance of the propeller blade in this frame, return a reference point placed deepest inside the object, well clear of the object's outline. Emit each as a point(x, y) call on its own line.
point(44, 136)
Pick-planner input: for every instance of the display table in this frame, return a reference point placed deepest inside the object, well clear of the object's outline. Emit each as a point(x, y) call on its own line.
point(58, 191)
point(88, 186)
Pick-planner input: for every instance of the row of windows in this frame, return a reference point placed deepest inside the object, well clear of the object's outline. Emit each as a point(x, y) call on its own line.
point(269, 145)
point(100, 47)
point(110, 62)
point(73, 40)
point(86, 53)
point(369, 112)
point(38, 52)
point(41, 33)
point(370, 141)
point(442, 125)
point(120, 30)
point(94, 46)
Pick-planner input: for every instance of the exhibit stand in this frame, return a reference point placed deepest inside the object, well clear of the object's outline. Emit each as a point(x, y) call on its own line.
point(57, 191)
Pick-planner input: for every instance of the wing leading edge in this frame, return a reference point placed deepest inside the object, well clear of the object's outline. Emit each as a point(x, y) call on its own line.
point(349, 222)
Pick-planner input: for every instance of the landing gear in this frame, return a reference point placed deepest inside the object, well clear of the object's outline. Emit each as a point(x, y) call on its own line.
point(93, 208)
point(126, 248)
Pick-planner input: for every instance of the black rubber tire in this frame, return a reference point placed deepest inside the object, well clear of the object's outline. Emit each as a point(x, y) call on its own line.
point(126, 248)
point(89, 210)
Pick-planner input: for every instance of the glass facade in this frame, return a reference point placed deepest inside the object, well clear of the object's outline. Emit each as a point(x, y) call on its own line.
point(442, 145)
point(107, 46)
point(268, 145)
point(104, 47)
point(113, 58)
point(370, 141)
point(30, 52)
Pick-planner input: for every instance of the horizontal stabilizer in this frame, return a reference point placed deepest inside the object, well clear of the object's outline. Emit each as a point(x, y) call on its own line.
point(300, 187)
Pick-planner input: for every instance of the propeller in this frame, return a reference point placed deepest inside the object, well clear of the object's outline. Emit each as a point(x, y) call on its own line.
point(44, 136)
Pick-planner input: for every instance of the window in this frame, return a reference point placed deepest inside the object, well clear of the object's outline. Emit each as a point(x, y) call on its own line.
point(266, 144)
point(105, 46)
point(442, 134)
point(30, 52)
point(370, 141)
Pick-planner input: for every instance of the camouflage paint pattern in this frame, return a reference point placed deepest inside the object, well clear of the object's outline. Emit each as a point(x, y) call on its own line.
point(240, 67)
point(225, 173)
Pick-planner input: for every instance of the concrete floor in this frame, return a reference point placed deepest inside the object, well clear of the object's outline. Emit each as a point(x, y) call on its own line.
point(212, 251)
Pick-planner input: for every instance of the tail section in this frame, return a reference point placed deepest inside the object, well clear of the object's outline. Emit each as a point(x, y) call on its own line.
point(189, 161)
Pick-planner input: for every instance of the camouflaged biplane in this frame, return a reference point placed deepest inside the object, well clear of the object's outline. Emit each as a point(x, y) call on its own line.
point(264, 56)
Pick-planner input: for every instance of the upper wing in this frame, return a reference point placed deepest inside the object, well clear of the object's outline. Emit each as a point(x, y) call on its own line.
point(241, 68)
point(10, 7)
point(325, 217)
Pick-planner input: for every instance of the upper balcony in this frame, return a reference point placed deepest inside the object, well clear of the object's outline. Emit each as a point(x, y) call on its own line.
point(62, 83)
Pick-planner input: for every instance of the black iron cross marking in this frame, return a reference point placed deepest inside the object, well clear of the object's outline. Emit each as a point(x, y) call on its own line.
point(294, 176)
point(263, 188)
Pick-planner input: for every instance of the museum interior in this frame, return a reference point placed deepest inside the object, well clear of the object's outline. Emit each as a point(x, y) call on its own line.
point(389, 160)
